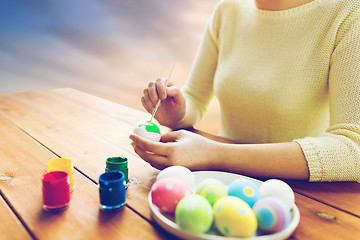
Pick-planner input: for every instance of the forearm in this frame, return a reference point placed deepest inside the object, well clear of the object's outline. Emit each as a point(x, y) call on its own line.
point(277, 160)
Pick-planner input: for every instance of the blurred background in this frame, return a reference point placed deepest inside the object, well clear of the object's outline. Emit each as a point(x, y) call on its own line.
point(110, 49)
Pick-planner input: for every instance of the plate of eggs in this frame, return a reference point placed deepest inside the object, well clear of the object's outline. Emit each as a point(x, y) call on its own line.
point(219, 205)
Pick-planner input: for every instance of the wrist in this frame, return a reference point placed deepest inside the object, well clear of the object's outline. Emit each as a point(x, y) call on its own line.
point(217, 159)
point(189, 118)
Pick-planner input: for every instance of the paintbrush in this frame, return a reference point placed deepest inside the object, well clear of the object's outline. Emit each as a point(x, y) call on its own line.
point(159, 100)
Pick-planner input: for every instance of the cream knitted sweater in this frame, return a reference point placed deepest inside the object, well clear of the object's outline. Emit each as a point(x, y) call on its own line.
point(280, 76)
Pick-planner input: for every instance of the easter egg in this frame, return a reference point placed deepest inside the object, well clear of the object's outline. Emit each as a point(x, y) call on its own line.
point(148, 130)
point(179, 172)
point(278, 189)
point(234, 217)
point(167, 192)
point(272, 215)
point(211, 189)
point(194, 214)
point(245, 190)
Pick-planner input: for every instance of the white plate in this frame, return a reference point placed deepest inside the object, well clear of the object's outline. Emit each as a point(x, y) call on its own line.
point(167, 222)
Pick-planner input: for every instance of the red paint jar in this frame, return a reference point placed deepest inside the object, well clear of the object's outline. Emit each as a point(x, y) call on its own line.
point(55, 190)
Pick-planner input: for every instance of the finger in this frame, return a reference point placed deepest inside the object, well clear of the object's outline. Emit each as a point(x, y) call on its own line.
point(153, 95)
point(147, 145)
point(148, 103)
point(170, 83)
point(147, 108)
point(155, 160)
point(173, 136)
point(160, 88)
point(169, 137)
point(173, 91)
point(176, 94)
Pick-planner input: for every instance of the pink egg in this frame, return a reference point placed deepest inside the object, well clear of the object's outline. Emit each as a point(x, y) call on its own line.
point(167, 192)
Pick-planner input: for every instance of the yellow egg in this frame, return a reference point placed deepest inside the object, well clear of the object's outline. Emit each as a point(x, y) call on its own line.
point(234, 217)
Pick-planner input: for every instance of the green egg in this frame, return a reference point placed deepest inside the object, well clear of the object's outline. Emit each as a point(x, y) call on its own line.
point(148, 130)
point(211, 189)
point(213, 193)
point(194, 214)
point(150, 127)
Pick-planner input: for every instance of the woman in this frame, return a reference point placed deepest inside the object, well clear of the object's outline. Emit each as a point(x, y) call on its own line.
point(287, 77)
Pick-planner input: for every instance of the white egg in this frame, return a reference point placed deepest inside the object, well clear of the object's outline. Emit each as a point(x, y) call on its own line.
point(178, 172)
point(148, 130)
point(280, 190)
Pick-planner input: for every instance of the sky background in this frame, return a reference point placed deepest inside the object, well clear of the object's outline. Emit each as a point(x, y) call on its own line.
point(110, 48)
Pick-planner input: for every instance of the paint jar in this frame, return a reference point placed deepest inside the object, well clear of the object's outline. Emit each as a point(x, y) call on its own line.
point(55, 190)
point(112, 190)
point(118, 164)
point(65, 165)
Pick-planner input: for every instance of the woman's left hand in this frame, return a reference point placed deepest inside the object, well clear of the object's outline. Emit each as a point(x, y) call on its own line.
point(177, 148)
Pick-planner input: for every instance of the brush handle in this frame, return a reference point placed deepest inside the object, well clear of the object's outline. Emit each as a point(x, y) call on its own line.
point(159, 100)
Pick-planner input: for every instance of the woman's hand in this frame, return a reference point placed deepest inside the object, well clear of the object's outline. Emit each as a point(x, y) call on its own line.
point(172, 108)
point(271, 160)
point(177, 148)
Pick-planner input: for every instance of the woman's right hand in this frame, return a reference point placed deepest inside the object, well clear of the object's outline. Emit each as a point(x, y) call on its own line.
point(172, 108)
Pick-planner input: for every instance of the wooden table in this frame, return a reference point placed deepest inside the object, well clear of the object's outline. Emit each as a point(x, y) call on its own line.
point(36, 127)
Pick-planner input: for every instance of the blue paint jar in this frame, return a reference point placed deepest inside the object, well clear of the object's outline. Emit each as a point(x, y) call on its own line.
point(112, 190)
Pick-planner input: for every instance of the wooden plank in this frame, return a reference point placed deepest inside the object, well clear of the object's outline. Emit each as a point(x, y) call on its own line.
point(38, 123)
point(110, 128)
point(318, 221)
point(88, 151)
point(10, 227)
point(24, 162)
point(344, 195)
point(113, 110)
point(104, 125)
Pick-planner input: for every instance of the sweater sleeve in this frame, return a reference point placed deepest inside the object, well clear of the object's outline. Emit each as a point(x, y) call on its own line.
point(335, 156)
point(199, 87)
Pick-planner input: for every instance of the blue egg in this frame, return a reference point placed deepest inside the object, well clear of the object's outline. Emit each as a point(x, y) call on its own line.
point(245, 190)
